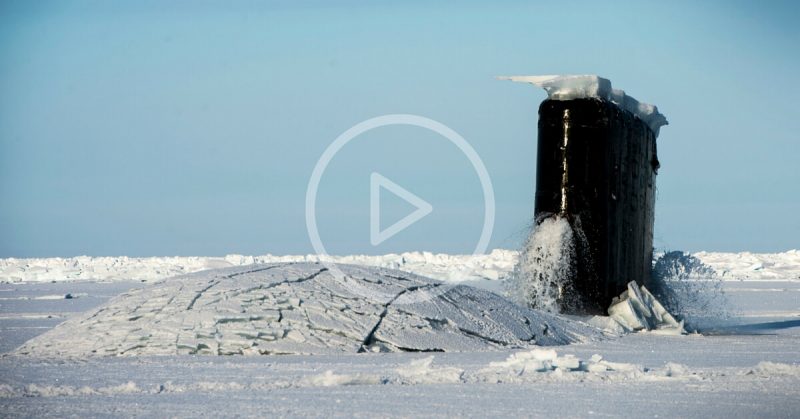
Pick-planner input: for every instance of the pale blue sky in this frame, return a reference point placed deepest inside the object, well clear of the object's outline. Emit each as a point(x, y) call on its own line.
point(190, 128)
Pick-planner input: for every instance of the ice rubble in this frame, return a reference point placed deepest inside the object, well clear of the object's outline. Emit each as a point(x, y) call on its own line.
point(303, 309)
point(445, 267)
point(568, 87)
point(637, 309)
point(529, 366)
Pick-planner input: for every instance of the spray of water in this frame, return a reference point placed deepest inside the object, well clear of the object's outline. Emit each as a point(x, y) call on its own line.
point(690, 290)
point(543, 273)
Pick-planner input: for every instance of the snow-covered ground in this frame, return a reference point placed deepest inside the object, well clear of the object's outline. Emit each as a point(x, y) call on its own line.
point(445, 267)
point(640, 375)
point(747, 365)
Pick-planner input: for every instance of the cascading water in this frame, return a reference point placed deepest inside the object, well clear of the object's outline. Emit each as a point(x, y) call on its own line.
point(691, 290)
point(542, 278)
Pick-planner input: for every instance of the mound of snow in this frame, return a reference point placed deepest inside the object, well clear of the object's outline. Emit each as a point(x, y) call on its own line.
point(303, 309)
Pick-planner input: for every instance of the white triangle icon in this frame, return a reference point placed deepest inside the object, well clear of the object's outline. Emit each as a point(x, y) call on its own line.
point(378, 181)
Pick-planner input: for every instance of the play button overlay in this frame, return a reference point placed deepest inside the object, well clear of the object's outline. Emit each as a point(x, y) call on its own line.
point(378, 182)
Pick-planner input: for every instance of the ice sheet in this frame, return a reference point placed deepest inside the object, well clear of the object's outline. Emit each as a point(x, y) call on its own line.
point(445, 267)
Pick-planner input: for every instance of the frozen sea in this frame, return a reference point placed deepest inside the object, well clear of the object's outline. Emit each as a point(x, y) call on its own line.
point(747, 365)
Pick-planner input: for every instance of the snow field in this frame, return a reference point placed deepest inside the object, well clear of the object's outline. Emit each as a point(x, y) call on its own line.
point(449, 268)
point(755, 374)
point(532, 366)
point(638, 375)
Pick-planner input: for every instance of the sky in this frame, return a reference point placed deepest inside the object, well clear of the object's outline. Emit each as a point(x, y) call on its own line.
point(192, 128)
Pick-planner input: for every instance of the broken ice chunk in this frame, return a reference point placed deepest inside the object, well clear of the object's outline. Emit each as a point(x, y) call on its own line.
point(570, 87)
point(637, 309)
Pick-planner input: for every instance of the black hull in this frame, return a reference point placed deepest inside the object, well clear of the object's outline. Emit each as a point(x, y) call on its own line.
point(597, 167)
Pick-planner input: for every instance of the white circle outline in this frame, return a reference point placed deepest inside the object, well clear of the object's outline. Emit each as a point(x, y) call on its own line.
point(382, 121)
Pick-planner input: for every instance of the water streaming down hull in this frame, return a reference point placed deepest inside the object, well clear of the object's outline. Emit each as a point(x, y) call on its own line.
point(543, 278)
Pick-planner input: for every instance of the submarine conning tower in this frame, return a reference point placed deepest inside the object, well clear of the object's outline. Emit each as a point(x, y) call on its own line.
point(596, 167)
